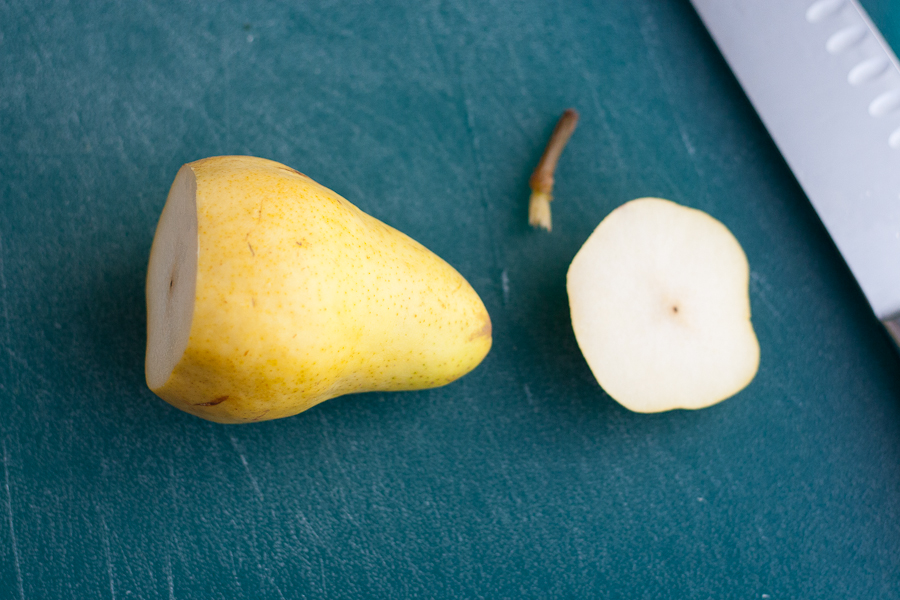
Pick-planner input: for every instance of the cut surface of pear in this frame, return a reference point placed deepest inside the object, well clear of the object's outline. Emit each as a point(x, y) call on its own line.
point(268, 293)
point(660, 307)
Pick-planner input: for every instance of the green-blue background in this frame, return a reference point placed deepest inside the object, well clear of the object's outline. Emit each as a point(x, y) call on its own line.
point(521, 480)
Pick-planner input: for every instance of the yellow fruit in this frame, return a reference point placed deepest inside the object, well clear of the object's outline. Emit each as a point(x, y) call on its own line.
point(268, 293)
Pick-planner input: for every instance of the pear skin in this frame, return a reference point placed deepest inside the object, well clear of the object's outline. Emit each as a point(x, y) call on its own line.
point(268, 293)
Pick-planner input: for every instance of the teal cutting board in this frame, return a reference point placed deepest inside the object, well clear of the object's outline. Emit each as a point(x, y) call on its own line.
point(521, 480)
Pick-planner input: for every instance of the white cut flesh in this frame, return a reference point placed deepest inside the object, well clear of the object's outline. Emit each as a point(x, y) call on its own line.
point(660, 307)
point(172, 280)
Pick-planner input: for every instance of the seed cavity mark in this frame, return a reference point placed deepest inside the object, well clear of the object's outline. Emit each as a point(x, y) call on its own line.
point(218, 400)
point(894, 140)
point(885, 103)
point(846, 38)
point(823, 9)
point(868, 70)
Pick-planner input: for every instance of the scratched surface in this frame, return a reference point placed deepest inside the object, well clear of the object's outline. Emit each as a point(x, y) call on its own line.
point(521, 480)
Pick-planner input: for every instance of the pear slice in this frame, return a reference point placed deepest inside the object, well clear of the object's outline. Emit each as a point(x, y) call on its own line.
point(268, 293)
point(659, 299)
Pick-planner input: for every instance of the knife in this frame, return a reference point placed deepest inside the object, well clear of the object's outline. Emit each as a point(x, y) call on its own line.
point(827, 87)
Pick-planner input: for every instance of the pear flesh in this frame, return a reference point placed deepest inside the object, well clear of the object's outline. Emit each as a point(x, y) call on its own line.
point(268, 293)
point(659, 299)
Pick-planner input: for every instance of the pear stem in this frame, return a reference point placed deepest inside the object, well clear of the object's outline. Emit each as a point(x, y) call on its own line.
point(541, 181)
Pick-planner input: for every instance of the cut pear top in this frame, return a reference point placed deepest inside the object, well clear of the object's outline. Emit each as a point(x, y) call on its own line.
point(660, 307)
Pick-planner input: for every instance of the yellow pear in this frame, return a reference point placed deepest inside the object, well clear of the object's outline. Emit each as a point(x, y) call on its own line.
point(268, 293)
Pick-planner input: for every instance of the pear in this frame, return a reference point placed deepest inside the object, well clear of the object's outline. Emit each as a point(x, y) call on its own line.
point(660, 307)
point(268, 293)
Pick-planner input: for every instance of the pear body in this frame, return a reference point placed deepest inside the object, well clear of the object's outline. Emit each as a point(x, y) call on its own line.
point(294, 296)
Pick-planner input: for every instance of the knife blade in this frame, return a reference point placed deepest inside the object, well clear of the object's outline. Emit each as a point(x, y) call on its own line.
point(827, 87)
